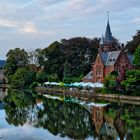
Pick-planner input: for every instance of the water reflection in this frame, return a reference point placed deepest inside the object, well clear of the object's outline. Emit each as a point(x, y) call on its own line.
point(3, 93)
point(117, 122)
point(72, 120)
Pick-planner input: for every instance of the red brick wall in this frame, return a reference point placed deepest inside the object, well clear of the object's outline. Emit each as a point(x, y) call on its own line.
point(108, 70)
point(97, 76)
point(122, 64)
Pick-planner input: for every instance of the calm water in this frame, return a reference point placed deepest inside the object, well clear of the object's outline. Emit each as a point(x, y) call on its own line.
point(27, 116)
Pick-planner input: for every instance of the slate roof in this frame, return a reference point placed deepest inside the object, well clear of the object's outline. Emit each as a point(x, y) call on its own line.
point(109, 58)
point(89, 76)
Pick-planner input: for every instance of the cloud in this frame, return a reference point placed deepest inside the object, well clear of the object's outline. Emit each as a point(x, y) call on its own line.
point(135, 20)
point(8, 23)
point(28, 28)
point(49, 2)
point(21, 27)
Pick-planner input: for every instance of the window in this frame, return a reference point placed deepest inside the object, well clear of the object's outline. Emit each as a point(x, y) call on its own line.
point(118, 70)
point(99, 71)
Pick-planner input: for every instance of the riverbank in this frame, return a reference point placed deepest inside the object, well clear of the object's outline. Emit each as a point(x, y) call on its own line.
point(88, 94)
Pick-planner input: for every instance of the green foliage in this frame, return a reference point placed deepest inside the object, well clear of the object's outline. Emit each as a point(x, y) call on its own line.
point(131, 83)
point(132, 80)
point(19, 78)
point(70, 58)
point(16, 58)
point(132, 45)
point(54, 59)
point(53, 78)
point(110, 81)
point(73, 79)
point(137, 57)
point(41, 76)
point(33, 85)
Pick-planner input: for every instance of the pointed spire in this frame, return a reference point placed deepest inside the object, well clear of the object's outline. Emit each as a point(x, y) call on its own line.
point(108, 34)
point(102, 40)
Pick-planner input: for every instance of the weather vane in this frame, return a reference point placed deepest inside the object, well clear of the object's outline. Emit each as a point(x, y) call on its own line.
point(108, 15)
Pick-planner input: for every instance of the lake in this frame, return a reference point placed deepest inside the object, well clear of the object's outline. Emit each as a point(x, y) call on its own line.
point(25, 115)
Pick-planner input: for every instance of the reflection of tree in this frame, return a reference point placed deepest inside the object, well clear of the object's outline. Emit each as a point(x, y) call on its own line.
point(126, 120)
point(17, 107)
point(59, 117)
point(65, 118)
point(70, 119)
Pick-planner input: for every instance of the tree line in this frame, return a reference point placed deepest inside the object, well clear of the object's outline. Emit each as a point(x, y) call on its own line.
point(68, 61)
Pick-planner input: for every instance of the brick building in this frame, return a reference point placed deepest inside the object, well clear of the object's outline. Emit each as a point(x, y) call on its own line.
point(109, 58)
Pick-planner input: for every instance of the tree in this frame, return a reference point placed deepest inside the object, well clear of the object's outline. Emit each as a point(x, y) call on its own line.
point(110, 81)
point(41, 76)
point(132, 80)
point(131, 83)
point(53, 78)
point(80, 52)
point(137, 57)
point(19, 77)
point(17, 58)
point(54, 59)
point(133, 44)
point(70, 58)
point(36, 57)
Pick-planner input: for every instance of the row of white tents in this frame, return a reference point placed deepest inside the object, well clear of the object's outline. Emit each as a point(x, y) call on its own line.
point(76, 84)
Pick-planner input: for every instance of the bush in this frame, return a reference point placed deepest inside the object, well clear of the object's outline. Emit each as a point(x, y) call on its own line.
point(53, 78)
point(41, 77)
point(33, 85)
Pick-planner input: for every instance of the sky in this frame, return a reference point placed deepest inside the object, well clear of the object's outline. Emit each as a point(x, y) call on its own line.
point(32, 24)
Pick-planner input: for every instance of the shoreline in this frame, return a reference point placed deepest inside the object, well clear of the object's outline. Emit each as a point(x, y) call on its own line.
point(89, 95)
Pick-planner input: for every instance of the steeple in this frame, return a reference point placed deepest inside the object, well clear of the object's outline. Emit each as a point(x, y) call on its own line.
point(102, 40)
point(108, 34)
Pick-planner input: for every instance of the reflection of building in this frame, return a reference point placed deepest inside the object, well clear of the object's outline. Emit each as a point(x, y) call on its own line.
point(98, 116)
point(120, 126)
point(104, 125)
point(107, 132)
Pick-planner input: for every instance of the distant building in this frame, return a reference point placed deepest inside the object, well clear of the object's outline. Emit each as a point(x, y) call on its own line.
point(110, 58)
point(2, 63)
point(2, 77)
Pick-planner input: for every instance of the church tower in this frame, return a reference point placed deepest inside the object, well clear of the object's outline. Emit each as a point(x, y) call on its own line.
point(107, 40)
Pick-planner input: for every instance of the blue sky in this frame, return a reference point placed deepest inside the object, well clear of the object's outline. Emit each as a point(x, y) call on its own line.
point(32, 24)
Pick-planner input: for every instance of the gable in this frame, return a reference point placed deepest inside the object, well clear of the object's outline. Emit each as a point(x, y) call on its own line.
point(98, 60)
point(123, 60)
